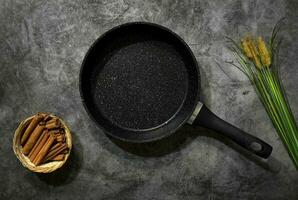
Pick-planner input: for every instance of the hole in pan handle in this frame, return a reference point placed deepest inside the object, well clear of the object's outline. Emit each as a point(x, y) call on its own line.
point(202, 116)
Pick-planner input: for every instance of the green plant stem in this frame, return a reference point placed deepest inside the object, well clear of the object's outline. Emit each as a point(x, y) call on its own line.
point(269, 88)
point(271, 94)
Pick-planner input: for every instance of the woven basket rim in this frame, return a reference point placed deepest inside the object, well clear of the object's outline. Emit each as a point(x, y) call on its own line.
point(43, 168)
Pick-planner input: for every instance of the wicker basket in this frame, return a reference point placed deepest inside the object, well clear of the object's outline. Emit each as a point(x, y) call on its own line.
point(43, 168)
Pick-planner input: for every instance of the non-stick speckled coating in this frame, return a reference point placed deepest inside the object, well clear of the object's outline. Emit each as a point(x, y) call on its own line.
point(139, 82)
point(142, 85)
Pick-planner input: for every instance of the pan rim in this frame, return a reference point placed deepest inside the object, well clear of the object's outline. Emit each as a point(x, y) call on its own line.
point(187, 48)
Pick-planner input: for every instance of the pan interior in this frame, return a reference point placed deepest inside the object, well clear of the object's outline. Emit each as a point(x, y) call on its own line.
point(141, 85)
point(139, 78)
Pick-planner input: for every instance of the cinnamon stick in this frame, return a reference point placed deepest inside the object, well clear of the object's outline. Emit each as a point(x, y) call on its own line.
point(39, 145)
point(54, 131)
point(65, 151)
point(41, 155)
point(59, 157)
point(48, 118)
point(60, 138)
point(51, 121)
point(36, 119)
point(54, 147)
point(53, 125)
point(33, 138)
point(56, 152)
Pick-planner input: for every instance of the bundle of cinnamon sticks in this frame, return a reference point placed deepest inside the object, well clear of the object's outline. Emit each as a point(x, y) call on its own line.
point(44, 140)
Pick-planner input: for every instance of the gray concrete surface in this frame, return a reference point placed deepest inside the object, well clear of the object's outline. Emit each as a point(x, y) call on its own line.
point(42, 44)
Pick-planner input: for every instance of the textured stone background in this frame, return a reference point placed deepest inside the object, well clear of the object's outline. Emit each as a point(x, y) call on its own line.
point(42, 44)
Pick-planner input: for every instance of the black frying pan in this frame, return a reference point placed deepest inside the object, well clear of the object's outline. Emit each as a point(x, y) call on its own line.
point(140, 82)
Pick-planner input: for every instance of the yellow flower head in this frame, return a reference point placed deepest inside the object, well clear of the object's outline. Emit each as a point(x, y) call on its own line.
point(250, 50)
point(245, 47)
point(264, 53)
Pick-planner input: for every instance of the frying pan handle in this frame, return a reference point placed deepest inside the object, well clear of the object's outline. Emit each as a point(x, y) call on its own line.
point(206, 118)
